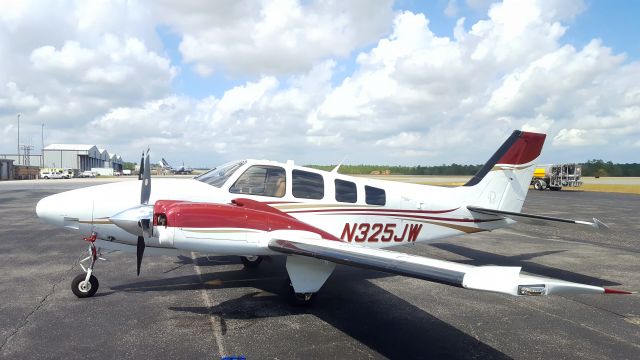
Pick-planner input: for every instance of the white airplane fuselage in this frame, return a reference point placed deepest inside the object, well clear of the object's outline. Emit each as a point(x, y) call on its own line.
point(411, 213)
point(316, 218)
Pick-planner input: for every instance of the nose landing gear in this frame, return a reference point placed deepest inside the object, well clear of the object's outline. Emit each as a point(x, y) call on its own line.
point(251, 261)
point(86, 285)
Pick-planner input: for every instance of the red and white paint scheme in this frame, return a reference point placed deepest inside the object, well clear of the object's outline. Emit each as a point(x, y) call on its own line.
point(255, 208)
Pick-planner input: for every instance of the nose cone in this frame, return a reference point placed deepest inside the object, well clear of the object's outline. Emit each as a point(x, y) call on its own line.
point(67, 209)
point(49, 210)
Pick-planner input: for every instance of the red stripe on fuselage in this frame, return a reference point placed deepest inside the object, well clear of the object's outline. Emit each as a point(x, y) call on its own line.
point(371, 210)
point(415, 217)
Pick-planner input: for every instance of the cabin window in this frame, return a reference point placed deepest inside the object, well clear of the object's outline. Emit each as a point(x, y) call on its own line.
point(346, 191)
point(220, 174)
point(375, 196)
point(307, 185)
point(261, 180)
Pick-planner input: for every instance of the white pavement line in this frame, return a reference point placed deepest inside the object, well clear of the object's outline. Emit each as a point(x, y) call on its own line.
point(215, 325)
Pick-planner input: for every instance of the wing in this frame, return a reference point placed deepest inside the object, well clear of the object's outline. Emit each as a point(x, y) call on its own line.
point(500, 279)
point(536, 219)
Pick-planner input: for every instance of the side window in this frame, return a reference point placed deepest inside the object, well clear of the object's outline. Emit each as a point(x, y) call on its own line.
point(346, 191)
point(375, 196)
point(307, 185)
point(261, 180)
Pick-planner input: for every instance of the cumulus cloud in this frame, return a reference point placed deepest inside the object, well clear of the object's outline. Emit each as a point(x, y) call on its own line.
point(256, 119)
point(272, 37)
point(65, 63)
point(321, 80)
point(418, 91)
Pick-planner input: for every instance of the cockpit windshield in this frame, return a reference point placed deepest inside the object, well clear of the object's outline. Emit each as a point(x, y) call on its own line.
point(220, 174)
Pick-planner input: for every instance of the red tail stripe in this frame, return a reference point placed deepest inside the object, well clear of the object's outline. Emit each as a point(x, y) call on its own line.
point(526, 149)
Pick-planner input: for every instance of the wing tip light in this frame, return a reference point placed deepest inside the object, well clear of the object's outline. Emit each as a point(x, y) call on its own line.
point(615, 291)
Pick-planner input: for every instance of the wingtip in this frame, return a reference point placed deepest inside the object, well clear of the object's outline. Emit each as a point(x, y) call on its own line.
point(615, 291)
point(600, 225)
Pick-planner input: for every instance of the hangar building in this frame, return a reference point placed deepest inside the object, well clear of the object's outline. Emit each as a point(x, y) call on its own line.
point(80, 156)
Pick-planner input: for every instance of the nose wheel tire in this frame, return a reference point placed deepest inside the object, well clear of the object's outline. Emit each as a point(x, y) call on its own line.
point(251, 261)
point(82, 288)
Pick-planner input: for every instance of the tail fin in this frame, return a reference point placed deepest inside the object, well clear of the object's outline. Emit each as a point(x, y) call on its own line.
point(502, 182)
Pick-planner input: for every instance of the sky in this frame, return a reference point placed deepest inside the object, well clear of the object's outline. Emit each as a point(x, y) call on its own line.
point(402, 82)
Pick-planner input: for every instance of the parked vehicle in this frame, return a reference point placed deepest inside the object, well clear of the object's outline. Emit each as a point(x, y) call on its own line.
point(87, 174)
point(46, 174)
point(556, 176)
point(56, 173)
point(103, 171)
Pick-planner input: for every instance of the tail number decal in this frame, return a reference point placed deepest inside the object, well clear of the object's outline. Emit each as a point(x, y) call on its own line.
point(365, 232)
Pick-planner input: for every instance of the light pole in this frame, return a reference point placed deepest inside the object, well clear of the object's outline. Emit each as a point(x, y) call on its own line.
point(42, 148)
point(19, 138)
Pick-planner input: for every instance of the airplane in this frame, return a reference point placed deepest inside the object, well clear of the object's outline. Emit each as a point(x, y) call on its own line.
point(317, 219)
point(182, 170)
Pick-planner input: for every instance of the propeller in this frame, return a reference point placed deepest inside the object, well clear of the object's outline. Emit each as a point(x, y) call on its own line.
point(145, 193)
point(141, 167)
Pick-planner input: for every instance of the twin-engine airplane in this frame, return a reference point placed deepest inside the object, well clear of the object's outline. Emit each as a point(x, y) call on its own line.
point(255, 208)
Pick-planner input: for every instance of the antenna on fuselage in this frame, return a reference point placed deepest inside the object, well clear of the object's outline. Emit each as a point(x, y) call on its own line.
point(335, 169)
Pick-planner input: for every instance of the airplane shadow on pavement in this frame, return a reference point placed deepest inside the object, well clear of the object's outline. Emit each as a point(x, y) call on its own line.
point(479, 257)
point(369, 314)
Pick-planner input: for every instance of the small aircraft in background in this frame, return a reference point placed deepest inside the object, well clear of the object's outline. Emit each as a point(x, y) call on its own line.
point(181, 170)
point(317, 219)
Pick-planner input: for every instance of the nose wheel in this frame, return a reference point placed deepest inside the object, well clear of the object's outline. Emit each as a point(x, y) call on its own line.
point(83, 288)
point(86, 285)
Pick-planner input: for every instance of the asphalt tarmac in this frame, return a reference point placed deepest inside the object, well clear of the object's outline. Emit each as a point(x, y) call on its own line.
point(195, 306)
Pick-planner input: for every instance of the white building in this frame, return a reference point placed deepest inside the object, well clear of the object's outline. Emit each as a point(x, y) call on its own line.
point(80, 157)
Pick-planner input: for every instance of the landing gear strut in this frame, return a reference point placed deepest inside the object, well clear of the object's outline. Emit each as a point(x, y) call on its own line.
point(86, 285)
point(251, 261)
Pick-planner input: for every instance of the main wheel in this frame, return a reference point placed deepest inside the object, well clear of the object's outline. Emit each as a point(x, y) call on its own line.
point(538, 185)
point(298, 299)
point(251, 261)
point(84, 289)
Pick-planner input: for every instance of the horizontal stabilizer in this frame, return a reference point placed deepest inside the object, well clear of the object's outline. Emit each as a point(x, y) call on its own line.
point(536, 219)
point(500, 279)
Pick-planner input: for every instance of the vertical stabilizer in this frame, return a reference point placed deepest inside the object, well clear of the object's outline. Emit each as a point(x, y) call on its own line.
point(502, 182)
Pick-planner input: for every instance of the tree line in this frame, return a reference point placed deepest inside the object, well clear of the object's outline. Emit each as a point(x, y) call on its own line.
point(601, 168)
point(589, 168)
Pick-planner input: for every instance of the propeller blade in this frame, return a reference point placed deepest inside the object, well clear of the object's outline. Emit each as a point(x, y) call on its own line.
point(140, 252)
point(146, 181)
point(141, 166)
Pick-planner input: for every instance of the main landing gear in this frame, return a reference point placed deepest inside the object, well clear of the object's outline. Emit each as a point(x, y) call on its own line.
point(86, 285)
point(251, 261)
point(298, 299)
